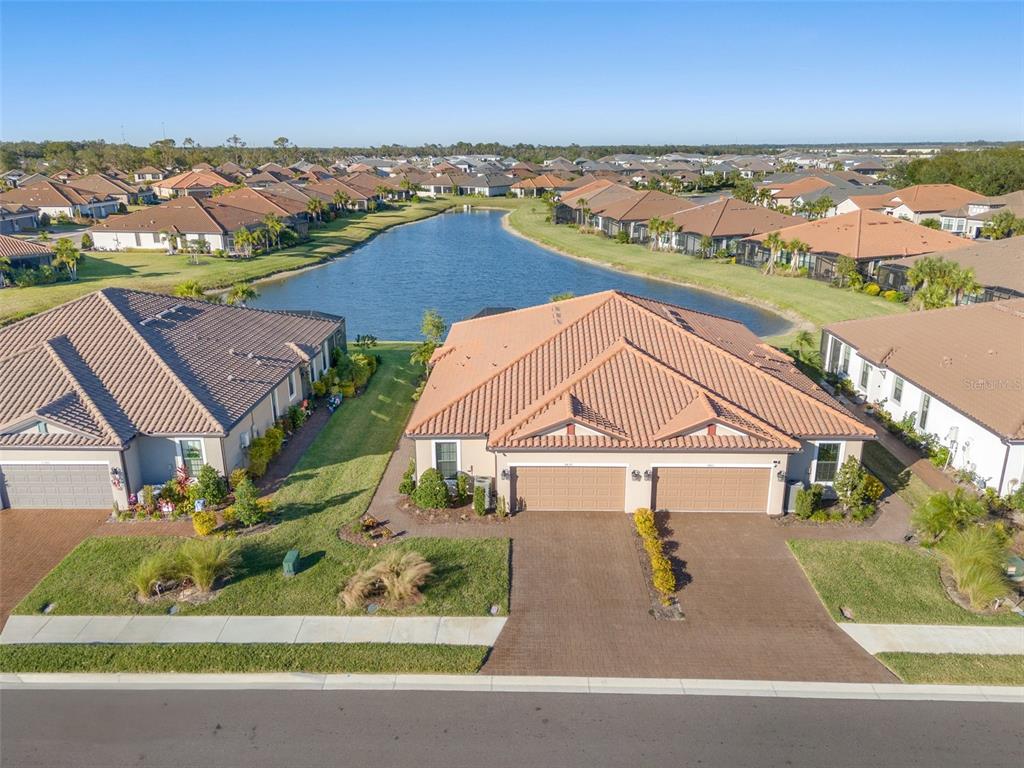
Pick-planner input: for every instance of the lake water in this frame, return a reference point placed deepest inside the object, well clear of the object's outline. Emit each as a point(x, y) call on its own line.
point(458, 263)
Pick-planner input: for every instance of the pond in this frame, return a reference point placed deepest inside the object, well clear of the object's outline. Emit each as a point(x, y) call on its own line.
point(459, 263)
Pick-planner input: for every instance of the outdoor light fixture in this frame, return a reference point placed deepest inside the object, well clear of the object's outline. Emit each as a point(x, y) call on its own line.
point(504, 474)
point(647, 475)
point(780, 475)
point(635, 474)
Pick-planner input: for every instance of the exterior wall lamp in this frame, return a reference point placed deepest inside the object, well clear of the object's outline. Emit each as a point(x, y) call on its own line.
point(505, 474)
point(647, 475)
point(635, 474)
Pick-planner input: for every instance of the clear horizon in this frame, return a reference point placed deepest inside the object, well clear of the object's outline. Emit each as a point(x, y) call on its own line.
point(370, 74)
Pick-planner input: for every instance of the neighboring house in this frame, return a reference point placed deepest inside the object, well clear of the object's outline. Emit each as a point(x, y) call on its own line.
point(535, 186)
point(610, 402)
point(186, 218)
point(968, 220)
point(358, 200)
point(868, 237)
point(632, 213)
point(15, 217)
point(55, 199)
point(127, 386)
point(486, 184)
point(955, 373)
point(916, 203)
point(25, 253)
point(149, 173)
point(998, 266)
point(198, 182)
point(266, 202)
point(726, 221)
point(127, 194)
point(375, 187)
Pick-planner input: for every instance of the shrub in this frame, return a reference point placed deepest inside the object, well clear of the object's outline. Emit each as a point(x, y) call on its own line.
point(247, 507)
point(622, 236)
point(203, 561)
point(87, 242)
point(348, 388)
point(938, 456)
point(210, 486)
point(408, 484)
point(501, 507)
point(229, 515)
point(319, 388)
point(975, 556)
point(479, 501)
point(872, 289)
point(431, 492)
point(261, 451)
point(361, 370)
point(847, 480)
point(944, 512)
point(275, 438)
point(297, 415)
point(662, 576)
point(237, 475)
point(154, 572)
point(204, 523)
point(894, 296)
point(461, 488)
point(398, 578)
point(808, 501)
point(148, 498)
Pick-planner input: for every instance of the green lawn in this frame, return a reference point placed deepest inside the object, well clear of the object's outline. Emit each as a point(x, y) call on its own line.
point(268, 657)
point(883, 583)
point(332, 484)
point(159, 271)
point(800, 298)
point(955, 668)
point(895, 475)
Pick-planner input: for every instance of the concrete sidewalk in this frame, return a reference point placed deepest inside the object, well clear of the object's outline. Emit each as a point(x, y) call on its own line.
point(511, 684)
point(418, 630)
point(936, 638)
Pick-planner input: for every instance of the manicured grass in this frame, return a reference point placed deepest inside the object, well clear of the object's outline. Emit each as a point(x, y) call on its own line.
point(955, 668)
point(809, 300)
point(332, 485)
point(883, 583)
point(895, 475)
point(262, 657)
point(159, 271)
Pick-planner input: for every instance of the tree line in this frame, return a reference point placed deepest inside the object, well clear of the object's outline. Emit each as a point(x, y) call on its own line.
point(993, 171)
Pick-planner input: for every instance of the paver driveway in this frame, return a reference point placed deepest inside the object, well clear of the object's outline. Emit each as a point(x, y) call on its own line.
point(32, 542)
point(579, 605)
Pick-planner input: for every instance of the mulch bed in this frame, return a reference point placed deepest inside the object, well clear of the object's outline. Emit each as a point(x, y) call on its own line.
point(949, 584)
point(463, 515)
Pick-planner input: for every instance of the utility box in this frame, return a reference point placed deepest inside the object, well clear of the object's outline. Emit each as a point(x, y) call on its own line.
point(291, 563)
point(487, 483)
point(791, 490)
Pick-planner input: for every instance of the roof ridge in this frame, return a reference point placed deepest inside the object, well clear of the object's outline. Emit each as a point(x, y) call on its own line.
point(90, 404)
point(189, 394)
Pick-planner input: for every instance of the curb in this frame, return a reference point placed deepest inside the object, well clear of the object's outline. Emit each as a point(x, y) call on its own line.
point(513, 684)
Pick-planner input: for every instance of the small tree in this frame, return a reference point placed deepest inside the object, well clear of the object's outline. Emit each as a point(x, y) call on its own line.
point(247, 505)
point(847, 480)
point(87, 242)
point(67, 256)
point(210, 485)
point(408, 484)
point(432, 491)
point(479, 501)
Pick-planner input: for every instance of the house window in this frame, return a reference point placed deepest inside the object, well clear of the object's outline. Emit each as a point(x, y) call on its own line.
point(826, 462)
point(897, 390)
point(273, 403)
point(922, 420)
point(191, 454)
point(326, 356)
point(833, 355)
point(245, 438)
point(138, 240)
point(292, 388)
point(844, 366)
point(446, 459)
point(865, 375)
point(42, 428)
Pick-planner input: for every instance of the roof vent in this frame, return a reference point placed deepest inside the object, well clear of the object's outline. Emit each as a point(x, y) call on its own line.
point(231, 377)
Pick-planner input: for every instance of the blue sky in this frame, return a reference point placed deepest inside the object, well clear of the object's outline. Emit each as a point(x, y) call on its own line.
point(612, 72)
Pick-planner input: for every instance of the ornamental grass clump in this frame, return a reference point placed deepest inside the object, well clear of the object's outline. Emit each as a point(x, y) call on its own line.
point(397, 579)
point(155, 574)
point(975, 556)
point(662, 576)
point(204, 561)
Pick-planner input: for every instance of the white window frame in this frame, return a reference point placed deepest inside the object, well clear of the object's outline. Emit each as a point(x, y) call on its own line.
point(293, 387)
point(245, 439)
point(180, 443)
point(898, 382)
point(922, 414)
point(844, 359)
point(274, 407)
point(458, 453)
point(326, 356)
point(865, 375)
point(839, 460)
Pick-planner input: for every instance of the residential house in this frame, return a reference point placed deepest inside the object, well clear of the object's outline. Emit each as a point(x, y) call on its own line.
point(610, 402)
point(954, 373)
point(916, 203)
point(868, 237)
point(725, 222)
point(535, 186)
point(148, 174)
point(124, 193)
point(15, 217)
point(24, 254)
point(968, 220)
point(998, 267)
point(485, 185)
point(194, 183)
point(375, 187)
point(56, 199)
point(128, 386)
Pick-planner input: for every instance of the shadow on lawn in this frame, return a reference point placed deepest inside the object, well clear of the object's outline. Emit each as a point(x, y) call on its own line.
point(298, 510)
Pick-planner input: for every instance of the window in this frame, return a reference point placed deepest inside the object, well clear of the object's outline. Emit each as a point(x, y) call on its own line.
point(922, 420)
point(446, 459)
point(42, 427)
point(273, 403)
point(865, 375)
point(833, 355)
point(245, 438)
point(191, 453)
point(826, 462)
point(897, 390)
point(326, 356)
point(844, 366)
point(138, 240)
point(291, 385)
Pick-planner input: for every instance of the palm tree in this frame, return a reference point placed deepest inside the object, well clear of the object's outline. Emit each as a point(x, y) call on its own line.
point(315, 206)
point(658, 228)
point(66, 255)
point(962, 282)
point(803, 343)
point(274, 226)
point(341, 200)
point(774, 243)
point(382, 191)
point(930, 269)
point(705, 246)
point(796, 248)
point(243, 241)
point(240, 293)
point(584, 212)
point(5, 264)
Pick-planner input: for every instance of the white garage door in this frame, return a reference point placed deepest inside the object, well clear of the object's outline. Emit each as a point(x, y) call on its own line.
point(56, 486)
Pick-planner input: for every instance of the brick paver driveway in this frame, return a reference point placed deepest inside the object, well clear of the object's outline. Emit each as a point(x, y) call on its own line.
point(33, 541)
point(579, 605)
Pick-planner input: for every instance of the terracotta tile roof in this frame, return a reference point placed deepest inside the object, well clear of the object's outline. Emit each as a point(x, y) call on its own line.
point(998, 263)
point(261, 201)
point(194, 179)
point(866, 234)
point(644, 205)
point(921, 198)
point(46, 193)
point(191, 215)
point(626, 366)
point(970, 357)
point(544, 181)
point(115, 363)
point(729, 217)
point(13, 247)
point(330, 186)
point(102, 184)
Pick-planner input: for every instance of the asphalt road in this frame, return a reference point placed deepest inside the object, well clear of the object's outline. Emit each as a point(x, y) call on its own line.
point(423, 729)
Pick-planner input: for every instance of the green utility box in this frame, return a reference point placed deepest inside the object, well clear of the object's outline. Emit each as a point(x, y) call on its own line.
point(291, 562)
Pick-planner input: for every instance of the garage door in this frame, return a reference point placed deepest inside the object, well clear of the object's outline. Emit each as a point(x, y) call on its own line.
point(711, 489)
point(48, 486)
point(570, 489)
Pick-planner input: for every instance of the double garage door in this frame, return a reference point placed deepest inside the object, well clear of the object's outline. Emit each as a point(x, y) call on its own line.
point(55, 486)
point(677, 489)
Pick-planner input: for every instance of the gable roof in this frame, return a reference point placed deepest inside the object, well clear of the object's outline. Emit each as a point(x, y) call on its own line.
point(626, 365)
point(920, 198)
point(970, 357)
point(729, 217)
point(191, 215)
point(15, 247)
point(101, 183)
point(996, 263)
point(195, 179)
point(115, 363)
point(46, 193)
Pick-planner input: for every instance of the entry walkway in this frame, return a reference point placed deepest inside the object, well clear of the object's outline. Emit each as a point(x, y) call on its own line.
point(417, 630)
point(937, 638)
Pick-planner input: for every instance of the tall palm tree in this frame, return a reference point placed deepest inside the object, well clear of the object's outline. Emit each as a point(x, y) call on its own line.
point(341, 200)
point(584, 212)
point(66, 255)
point(315, 206)
point(803, 343)
point(774, 243)
point(274, 226)
point(796, 248)
point(962, 282)
point(240, 293)
point(243, 241)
